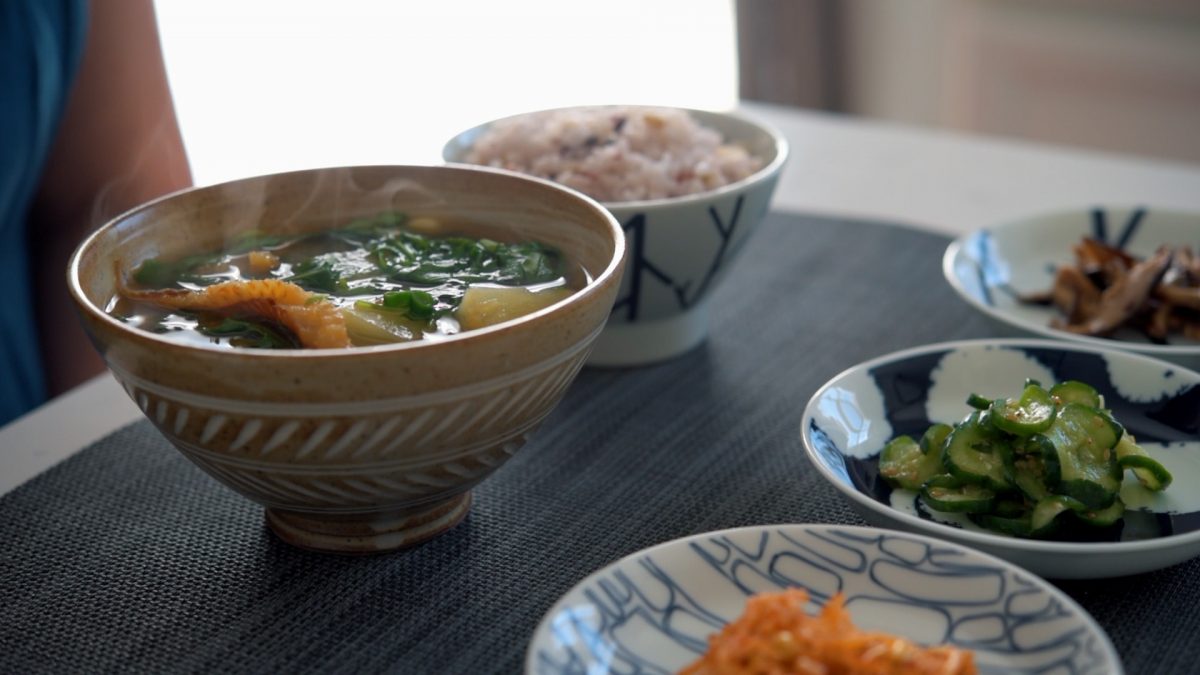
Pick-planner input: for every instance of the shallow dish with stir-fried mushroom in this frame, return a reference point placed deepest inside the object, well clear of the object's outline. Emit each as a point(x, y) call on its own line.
point(1108, 288)
point(1106, 276)
point(373, 281)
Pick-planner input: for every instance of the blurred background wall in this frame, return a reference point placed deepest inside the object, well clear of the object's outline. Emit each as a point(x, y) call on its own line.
point(1119, 75)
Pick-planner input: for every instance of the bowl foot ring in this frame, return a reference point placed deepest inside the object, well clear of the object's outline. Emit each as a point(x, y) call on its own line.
point(368, 533)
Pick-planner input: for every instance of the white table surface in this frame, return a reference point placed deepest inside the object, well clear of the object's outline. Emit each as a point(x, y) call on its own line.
point(945, 182)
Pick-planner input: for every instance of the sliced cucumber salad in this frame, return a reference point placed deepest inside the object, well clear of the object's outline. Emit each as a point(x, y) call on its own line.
point(1027, 466)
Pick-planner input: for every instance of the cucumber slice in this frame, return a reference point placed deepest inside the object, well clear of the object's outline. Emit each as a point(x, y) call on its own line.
point(964, 498)
point(975, 452)
point(1029, 475)
point(1034, 467)
point(1105, 516)
point(1016, 527)
point(1028, 415)
point(1152, 475)
point(1084, 439)
point(1074, 391)
point(978, 402)
point(934, 438)
point(903, 464)
point(1041, 446)
point(1045, 517)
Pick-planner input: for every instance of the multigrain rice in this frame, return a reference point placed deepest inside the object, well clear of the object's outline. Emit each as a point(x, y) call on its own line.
point(616, 153)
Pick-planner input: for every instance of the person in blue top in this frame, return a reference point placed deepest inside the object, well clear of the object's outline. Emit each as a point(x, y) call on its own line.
point(87, 131)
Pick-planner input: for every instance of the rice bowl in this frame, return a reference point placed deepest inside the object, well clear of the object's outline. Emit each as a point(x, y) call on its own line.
point(616, 153)
point(721, 167)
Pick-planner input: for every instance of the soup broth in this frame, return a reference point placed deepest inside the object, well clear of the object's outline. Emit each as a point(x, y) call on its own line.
point(376, 280)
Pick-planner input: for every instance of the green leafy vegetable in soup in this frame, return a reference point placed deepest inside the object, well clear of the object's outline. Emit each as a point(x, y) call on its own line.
point(374, 281)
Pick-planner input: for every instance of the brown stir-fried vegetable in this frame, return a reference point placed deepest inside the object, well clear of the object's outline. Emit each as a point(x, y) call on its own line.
point(1107, 288)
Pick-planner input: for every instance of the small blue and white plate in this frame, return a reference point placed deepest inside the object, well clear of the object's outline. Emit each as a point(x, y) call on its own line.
point(653, 612)
point(990, 267)
point(850, 418)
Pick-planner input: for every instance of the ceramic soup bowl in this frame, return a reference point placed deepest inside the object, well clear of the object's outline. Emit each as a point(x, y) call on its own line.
point(355, 449)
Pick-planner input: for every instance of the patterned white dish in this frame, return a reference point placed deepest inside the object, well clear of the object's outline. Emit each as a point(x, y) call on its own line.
point(989, 267)
point(652, 612)
point(849, 419)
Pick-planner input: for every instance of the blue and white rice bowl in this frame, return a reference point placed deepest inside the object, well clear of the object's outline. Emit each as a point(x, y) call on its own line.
point(680, 247)
point(991, 267)
point(849, 419)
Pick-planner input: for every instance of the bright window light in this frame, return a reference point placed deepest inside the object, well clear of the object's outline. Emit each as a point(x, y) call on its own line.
point(278, 85)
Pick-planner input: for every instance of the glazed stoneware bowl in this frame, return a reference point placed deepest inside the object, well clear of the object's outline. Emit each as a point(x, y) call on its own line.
point(679, 248)
point(849, 420)
point(368, 448)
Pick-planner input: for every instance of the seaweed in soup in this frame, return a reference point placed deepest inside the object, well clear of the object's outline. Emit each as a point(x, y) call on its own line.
point(373, 281)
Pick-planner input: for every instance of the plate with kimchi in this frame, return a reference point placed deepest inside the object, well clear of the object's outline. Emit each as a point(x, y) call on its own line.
point(827, 599)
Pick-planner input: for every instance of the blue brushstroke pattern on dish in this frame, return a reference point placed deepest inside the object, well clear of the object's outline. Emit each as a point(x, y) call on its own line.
point(1167, 413)
point(1128, 230)
point(650, 613)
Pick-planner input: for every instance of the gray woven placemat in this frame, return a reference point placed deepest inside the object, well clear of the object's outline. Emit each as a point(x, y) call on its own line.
point(127, 558)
